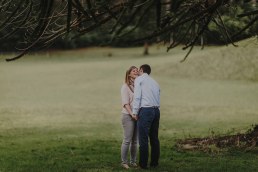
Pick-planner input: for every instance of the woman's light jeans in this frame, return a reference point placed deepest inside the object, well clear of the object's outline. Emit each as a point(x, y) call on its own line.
point(130, 139)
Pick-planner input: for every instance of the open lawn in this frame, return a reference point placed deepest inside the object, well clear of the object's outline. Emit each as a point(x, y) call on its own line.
point(60, 111)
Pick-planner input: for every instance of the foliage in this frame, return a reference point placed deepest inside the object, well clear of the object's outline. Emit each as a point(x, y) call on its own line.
point(242, 141)
point(126, 22)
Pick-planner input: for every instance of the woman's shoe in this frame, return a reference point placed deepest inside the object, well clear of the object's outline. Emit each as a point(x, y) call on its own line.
point(125, 166)
point(133, 165)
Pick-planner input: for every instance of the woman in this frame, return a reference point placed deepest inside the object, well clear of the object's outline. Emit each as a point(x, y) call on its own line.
point(128, 122)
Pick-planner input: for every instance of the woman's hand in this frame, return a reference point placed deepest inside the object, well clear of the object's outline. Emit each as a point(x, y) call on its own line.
point(134, 117)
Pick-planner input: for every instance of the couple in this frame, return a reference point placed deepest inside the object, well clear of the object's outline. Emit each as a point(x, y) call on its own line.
point(140, 117)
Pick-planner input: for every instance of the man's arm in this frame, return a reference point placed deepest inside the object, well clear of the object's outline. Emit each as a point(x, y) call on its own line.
point(137, 96)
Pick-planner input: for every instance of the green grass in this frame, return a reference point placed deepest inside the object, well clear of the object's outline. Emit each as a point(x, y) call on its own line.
point(60, 111)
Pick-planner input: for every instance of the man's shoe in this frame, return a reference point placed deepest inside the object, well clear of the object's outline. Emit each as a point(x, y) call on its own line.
point(125, 166)
point(144, 168)
point(153, 166)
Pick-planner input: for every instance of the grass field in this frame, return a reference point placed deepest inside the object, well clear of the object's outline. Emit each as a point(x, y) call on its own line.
point(60, 111)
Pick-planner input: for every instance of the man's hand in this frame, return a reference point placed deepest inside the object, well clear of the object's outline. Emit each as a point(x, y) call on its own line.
point(135, 117)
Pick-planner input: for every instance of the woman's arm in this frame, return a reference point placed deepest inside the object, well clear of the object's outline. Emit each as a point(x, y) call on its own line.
point(128, 108)
point(126, 99)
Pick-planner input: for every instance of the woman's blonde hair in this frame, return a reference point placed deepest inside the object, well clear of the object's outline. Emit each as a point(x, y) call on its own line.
point(127, 76)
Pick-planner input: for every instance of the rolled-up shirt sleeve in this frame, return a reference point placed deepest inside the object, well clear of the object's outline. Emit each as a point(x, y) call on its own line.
point(125, 96)
point(137, 96)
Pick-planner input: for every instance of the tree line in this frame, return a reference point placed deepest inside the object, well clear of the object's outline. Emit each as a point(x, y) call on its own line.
point(29, 25)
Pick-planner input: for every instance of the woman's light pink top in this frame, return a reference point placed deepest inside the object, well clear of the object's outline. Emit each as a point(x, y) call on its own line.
point(127, 97)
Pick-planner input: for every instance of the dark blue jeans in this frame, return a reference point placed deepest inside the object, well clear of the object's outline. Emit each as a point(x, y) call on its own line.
point(148, 126)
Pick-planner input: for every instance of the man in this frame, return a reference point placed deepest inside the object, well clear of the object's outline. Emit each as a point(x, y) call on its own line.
point(146, 105)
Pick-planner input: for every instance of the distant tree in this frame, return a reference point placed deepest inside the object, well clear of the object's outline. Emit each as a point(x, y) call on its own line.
point(189, 22)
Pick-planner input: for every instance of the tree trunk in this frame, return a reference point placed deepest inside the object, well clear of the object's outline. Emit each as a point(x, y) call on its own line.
point(146, 48)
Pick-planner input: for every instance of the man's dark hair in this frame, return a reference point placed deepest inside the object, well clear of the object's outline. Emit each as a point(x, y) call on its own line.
point(146, 68)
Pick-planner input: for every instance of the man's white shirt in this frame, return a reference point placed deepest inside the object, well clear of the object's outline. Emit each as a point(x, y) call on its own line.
point(146, 93)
